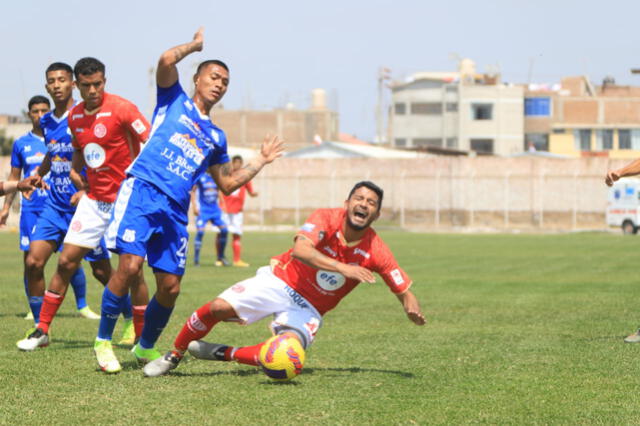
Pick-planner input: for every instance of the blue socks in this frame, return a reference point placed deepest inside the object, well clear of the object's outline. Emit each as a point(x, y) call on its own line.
point(35, 303)
point(127, 309)
point(79, 284)
point(156, 318)
point(197, 245)
point(222, 242)
point(112, 306)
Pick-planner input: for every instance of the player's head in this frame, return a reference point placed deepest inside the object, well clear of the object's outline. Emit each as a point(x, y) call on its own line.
point(211, 81)
point(236, 162)
point(90, 80)
point(363, 205)
point(59, 82)
point(38, 106)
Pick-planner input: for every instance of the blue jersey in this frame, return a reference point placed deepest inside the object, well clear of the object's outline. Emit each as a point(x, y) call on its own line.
point(27, 154)
point(207, 195)
point(58, 140)
point(182, 145)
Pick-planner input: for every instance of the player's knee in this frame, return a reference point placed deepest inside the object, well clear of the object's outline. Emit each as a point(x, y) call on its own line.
point(222, 310)
point(129, 267)
point(170, 289)
point(34, 264)
point(67, 264)
point(102, 274)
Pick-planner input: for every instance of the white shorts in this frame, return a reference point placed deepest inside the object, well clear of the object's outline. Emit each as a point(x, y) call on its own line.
point(89, 223)
point(265, 294)
point(233, 221)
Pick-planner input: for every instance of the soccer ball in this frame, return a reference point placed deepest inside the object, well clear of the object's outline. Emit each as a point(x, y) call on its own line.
point(282, 357)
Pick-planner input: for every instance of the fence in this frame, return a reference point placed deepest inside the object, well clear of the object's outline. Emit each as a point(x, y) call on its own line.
point(439, 193)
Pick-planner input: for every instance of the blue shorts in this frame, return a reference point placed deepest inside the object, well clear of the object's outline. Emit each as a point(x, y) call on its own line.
point(147, 222)
point(52, 225)
point(215, 217)
point(28, 221)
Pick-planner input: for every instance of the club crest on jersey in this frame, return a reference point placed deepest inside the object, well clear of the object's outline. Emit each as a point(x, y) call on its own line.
point(329, 281)
point(100, 131)
point(27, 148)
point(94, 155)
point(138, 126)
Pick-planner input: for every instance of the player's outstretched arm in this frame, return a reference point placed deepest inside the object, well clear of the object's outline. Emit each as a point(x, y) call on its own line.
point(305, 252)
point(229, 180)
point(27, 184)
point(167, 73)
point(14, 176)
point(412, 307)
point(630, 169)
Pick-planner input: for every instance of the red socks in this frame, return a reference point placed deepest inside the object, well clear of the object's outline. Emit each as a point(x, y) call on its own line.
point(237, 247)
point(197, 326)
point(246, 355)
point(50, 305)
point(138, 319)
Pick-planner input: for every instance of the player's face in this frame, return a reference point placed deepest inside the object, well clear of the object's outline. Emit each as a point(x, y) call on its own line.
point(91, 89)
point(211, 83)
point(59, 85)
point(362, 208)
point(36, 112)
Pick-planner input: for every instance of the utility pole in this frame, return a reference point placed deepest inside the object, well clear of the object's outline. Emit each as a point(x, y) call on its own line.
point(383, 74)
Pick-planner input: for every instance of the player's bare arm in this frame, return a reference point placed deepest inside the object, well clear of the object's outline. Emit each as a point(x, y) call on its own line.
point(630, 169)
point(305, 252)
point(228, 180)
point(167, 73)
point(27, 184)
point(194, 202)
point(412, 307)
point(77, 164)
point(14, 176)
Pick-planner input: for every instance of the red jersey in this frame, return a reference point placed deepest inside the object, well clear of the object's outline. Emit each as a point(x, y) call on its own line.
point(324, 289)
point(234, 202)
point(109, 139)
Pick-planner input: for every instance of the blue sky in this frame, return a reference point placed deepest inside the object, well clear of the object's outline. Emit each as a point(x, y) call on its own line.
point(279, 51)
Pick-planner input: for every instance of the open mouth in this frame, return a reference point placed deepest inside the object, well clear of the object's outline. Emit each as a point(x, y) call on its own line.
point(360, 215)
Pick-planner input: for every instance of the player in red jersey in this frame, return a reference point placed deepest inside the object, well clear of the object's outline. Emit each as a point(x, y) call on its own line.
point(107, 133)
point(333, 252)
point(232, 206)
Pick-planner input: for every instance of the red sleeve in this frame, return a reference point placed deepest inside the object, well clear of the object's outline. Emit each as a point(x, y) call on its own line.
point(315, 227)
point(249, 187)
point(385, 264)
point(135, 122)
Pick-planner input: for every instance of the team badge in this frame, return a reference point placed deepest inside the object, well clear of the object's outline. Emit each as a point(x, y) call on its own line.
point(100, 130)
point(76, 226)
point(139, 126)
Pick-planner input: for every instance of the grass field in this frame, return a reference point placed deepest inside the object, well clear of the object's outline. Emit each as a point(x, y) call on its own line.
point(522, 329)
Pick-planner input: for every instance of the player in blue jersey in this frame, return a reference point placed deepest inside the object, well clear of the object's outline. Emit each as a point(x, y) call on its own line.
point(52, 224)
point(204, 199)
point(150, 216)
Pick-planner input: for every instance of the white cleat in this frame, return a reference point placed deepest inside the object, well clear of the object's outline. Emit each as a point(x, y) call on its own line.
point(106, 358)
point(87, 313)
point(161, 366)
point(205, 350)
point(633, 338)
point(35, 339)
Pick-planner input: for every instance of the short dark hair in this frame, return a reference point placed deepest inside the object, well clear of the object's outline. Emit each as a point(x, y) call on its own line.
point(88, 66)
point(211, 62)
point(59, 66)
point(38, 99)
point(236, 157)
point(370, 185)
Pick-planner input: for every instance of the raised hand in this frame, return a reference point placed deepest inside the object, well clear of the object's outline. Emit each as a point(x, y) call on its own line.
point(272, 148)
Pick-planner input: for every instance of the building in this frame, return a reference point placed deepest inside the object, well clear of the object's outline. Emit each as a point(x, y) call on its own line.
point(460, 110)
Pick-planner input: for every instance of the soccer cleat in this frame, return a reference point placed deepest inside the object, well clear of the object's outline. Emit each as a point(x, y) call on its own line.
point(35, 338)
point(29, 316)
point(222, 262)
point(106, 358)
point(161, 366)
point(128, 334)
point(241, 264)
point(205, 350)
point(87, 313)
point(633, 338)
point(145, 356)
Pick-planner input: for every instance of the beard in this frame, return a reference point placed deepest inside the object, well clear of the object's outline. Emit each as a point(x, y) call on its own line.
point(357, 227)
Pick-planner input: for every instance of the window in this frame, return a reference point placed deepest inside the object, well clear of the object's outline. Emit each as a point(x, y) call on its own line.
point(537, 107)
point(452, 143)
point(483, 146)
point(624, 139)
point(425, 142)
point(482, 111)
point(604, 139)
point(451, 107)
point(400, 109)
point(401, 142)
point(536, 142)
point(582, 139)
point(424, 108)
point(559, 131)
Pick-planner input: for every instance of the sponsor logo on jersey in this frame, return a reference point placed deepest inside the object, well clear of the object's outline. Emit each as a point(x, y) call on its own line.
point(329, 281)
point(295, 297)
point(94, 155)
point(195, 129)
point(308, 227)
point(76, 116)
point(138, 126)
point(397, 277)
point(79, 130)
point(330, 251)
point(35, 158)
point(188, 147)
point(215, 136)
point(27, 148)
point(100, 130)
point(103, 114)
point(361, 252)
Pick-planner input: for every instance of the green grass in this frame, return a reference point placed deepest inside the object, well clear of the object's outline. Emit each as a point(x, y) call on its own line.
point(523, 329)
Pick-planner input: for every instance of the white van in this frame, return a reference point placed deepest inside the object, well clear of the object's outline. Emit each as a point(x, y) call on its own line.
point(623, 206)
